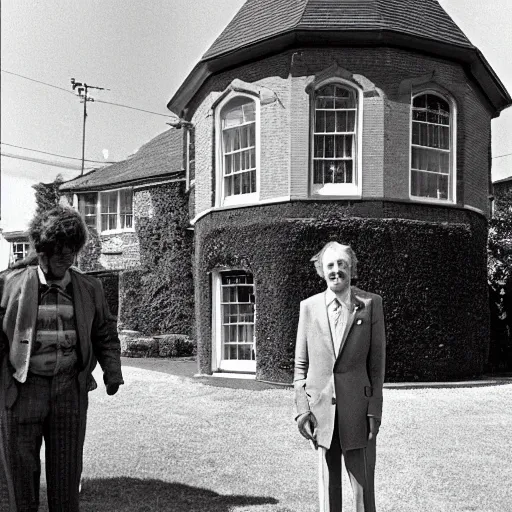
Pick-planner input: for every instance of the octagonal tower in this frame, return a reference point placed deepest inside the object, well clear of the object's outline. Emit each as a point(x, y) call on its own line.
point(362, 121)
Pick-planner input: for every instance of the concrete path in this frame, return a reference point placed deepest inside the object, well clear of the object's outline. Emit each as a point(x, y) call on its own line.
point(187, 367)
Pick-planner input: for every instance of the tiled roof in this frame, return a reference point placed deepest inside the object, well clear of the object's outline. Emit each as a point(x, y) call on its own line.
point(259, 20)
point(161, 157)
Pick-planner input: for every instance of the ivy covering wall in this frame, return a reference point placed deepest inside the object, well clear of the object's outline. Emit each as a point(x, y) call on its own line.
point(431, 275)
point(158, 298)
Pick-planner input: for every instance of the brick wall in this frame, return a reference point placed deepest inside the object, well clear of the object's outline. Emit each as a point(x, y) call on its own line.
point(382, 73)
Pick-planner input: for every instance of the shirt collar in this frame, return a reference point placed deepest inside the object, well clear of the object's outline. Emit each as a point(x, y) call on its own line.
point(330, 296)
point(62, 283)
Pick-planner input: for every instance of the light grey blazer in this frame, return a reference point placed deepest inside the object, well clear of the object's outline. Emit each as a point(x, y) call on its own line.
point(350, 383)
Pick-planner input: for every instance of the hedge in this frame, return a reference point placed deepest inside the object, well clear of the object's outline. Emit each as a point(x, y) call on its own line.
point(431, 275)
point(158, 298)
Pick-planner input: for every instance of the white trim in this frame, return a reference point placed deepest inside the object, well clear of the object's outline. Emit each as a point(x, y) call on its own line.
point(218, 364)
point(153, 184)
point(339, 190)
point(282, 199)
point(118, 229)
point(453, 146)
point(473, 209)
point(286, 199)
point(227, 375)
point(220, 199)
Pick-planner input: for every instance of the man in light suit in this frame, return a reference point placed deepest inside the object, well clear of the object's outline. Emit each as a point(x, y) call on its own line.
point(338, 379)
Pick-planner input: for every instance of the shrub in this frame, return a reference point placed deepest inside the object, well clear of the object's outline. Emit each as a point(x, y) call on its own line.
point(175, 345)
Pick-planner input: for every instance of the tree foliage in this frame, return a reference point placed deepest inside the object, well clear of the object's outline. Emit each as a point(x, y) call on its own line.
point(499, 250)
point(48, 194)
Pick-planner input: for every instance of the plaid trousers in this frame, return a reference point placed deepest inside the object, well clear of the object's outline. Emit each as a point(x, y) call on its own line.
point(49, 408)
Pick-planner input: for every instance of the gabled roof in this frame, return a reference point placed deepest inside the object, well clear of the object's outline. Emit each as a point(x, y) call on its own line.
point(160, 158)
point(265, 27)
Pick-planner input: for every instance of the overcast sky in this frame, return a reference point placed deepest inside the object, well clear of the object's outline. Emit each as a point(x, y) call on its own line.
point(142, 52)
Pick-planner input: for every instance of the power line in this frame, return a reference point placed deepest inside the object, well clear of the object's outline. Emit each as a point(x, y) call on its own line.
point(132, 108)
point(44, 162)
point(96, 101)
point(37, 81)
point(501, 156)
point(55, 154)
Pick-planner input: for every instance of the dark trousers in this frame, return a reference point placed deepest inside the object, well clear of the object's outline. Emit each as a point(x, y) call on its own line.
point(46, 408)
point(360, 465)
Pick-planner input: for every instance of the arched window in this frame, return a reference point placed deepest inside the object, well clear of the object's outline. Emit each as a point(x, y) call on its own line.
point(238, 150)
point(335, 133)
point(432, 162)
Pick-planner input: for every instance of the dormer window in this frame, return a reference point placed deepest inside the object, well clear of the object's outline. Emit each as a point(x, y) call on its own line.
point(432, 148)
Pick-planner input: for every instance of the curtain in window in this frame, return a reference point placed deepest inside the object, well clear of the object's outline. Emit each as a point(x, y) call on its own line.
point(87, 207)
point(431, 151)
point(126, 208)
point(109, 210)
point(238, 124)
point(334, 135)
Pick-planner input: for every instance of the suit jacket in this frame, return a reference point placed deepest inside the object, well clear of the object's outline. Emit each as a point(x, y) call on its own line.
point(350, 383)
point(96, 329)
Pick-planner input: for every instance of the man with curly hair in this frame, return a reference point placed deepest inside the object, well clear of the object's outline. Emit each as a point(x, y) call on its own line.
point(338, 379)
point(56, 326)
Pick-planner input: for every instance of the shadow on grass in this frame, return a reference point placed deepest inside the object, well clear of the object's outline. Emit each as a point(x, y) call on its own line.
point(125, 494)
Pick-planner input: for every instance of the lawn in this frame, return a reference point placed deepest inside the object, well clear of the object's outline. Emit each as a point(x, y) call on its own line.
point(167, 443)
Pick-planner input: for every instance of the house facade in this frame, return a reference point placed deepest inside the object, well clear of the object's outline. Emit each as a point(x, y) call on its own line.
point(137, 214)
point(366, 122)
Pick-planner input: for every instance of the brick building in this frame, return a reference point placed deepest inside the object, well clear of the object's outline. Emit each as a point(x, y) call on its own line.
point(365, 121)
point(362, 121)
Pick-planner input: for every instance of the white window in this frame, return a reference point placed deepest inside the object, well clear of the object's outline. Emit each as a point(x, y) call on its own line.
point(116, 210)
point(88, 207)
point(335, 140)
point(432, 152)
point(19, 250)
point(107, 211)
point(234, 322)
point(238, 151)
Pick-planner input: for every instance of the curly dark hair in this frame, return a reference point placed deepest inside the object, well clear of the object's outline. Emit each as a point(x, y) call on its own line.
point(60, 227)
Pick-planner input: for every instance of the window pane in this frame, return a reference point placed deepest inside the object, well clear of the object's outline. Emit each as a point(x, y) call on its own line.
point(320, 121)
point(332, 154)
point(126, 201)
point(330, 121)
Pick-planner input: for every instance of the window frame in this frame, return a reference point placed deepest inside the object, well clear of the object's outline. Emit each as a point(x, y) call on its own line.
point(218, 363)
point(99, 196)
point(25, 251)
point(452, 187)
point(220, 198)
point(338, 190)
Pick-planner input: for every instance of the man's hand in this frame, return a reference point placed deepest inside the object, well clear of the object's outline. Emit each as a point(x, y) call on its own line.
point(374, 427)
point(307, 426)
point(112, 389)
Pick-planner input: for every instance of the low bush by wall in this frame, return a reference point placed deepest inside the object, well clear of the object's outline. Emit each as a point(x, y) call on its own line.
point(135, 344)
point(431, 275)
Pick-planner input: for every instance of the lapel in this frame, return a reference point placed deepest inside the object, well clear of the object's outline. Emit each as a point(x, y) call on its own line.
point(358, 312)
point(25, 326)
point(84, 315)
point(320, 312)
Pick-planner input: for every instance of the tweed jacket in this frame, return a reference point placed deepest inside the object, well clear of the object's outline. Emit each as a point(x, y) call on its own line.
point(350, 383)
point(96, 329)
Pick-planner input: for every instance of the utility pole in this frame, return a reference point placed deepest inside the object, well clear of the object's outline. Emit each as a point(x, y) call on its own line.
point(82, 89)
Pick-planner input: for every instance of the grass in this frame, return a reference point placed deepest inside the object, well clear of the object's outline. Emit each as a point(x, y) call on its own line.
point(167, 443)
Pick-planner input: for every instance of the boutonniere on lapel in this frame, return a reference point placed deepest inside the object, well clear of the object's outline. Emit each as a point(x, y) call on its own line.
point(359, 321)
